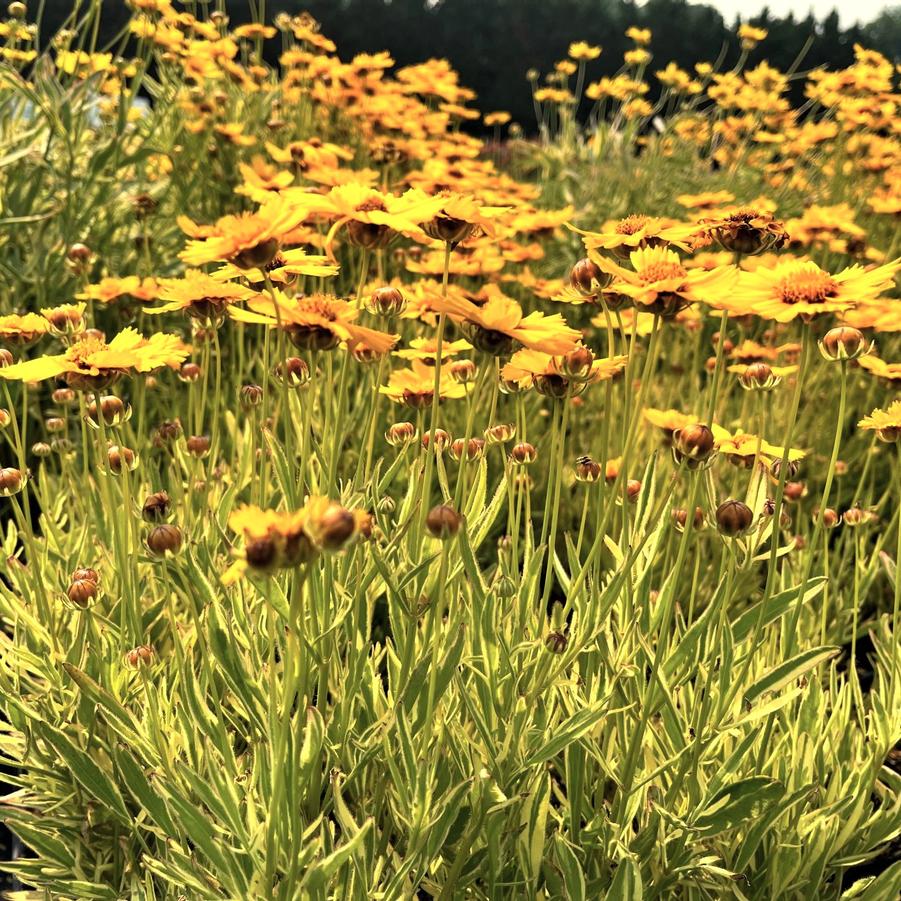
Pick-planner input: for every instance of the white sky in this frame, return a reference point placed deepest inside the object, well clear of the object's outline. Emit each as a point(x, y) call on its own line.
point(849, 11)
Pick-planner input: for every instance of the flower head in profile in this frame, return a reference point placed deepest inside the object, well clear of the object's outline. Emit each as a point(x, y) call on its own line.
point(109, 289)
point(634, 232)
point(745, 230)
point(275, 540)
point(660, 283)
point(22, 330)
point(497, 326)
point(560, 376)
point(742, 449)
point(199, 296)
point(426, 349)
point(880, 368)
point(91, 363)
point(314, 322)
point(886, 423)
point(582, 50)
point(283, 269)
point(460, 217)
point(796, 289)
point(415, 386)
point(247, 240)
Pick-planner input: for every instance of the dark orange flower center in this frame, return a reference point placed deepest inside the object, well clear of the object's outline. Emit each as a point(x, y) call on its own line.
point(807, 287)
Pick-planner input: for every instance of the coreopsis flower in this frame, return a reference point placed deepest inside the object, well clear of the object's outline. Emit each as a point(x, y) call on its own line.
point(582, 50)
point(886, 423)
point(559, 376)
point(314, 322)
point(65, 320)
point(706, 200)
point(634, 232)
point(460, 217)
point(247, 240)
point(372, 218)
point(275, 540)
point(659, 282)
point(750, 36)
point(111, 288)
point(199, 296)
point(91, 363)
point(415, 386)
point(426, 349)
point(284, 268)
point(669, 421)
point(880, 368)
point(499, 118)
point(499, 325)
point(801, 289)
point(745, 230)
point(742, 449)
point(22, 330)
point(639, 35)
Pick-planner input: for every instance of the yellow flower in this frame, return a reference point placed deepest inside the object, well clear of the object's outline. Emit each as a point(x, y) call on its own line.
point(415, 386)
point(639, 35)
point(316, 322)
point(284, 268)
point(583, 51)
point(743, 449)
point(498, 118)
point(879, 368)
point(109, 289)
point(22, 330)
point(498, 325)
point(426, 349)
point(91, 364)
point(635, 231)
point(247, 240)
point(792, 289)
point(558, 376)
point(668, 421)
point(661, 283)
point(199, 295)
point(887, 423)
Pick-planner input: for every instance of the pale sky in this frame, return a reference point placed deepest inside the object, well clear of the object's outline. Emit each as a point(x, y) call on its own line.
point(849, 11)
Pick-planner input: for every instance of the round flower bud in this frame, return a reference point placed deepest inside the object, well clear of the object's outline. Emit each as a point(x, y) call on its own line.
point(113, 410)
point(831, 518)
point(387, 301)
point(759, 377)
point(335, 526)
point(6, 358)
point(556, 642)
point(577, 363)
point(5, 418)
point(694, 444)
point(587, 470)
point(856, 516)
point(844, 343)
point(463, 371)
point(155, 507)
point(251, 396)
point(792, 468)
point(509, 386)
point(41, 449)
point(88, 573)
point(794, 491)
point(54, 424)
point(400, 434)
point(12, 481)
point(474, 451)
point(523, 453)
point(633, 490)
point(121, 458)
point(139, 656)
point(78, 253)
point(198, 445)
point(81, 592)
point(499, 434)
point(167, 433)
point(63, 397)
point(164, 539)
point(588, 278)
point(442, 440)
point(189, 372)
point(733, 518)
point(443, 521)
point(680, 519)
